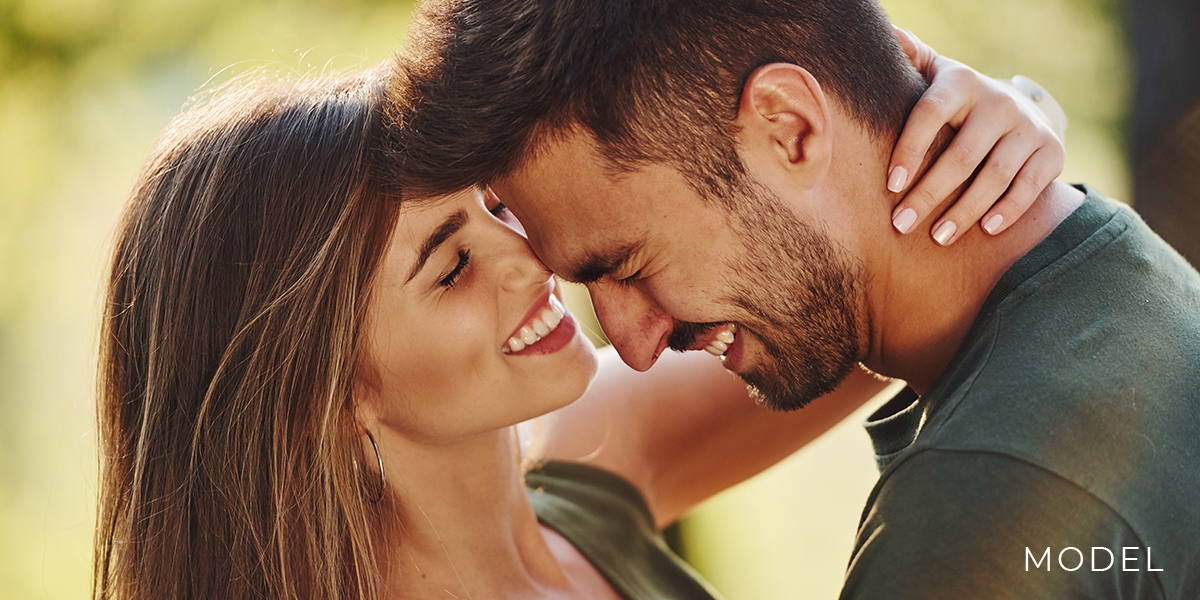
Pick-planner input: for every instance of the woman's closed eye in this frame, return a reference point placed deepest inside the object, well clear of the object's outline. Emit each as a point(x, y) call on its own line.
point(464, 259)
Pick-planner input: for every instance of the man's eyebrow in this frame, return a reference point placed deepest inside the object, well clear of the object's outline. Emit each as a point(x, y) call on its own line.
point(595, 265)
point(439, 236)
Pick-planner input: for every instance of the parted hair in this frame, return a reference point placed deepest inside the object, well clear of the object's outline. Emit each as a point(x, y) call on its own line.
point(485, 82)
point(232, 323)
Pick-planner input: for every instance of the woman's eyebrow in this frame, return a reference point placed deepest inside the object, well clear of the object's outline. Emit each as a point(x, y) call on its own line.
point(449, 227)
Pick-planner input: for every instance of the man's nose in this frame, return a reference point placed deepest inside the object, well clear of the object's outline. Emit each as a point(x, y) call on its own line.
point(632, 321)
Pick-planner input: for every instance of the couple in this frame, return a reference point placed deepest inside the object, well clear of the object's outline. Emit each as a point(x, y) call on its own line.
point(321, 326)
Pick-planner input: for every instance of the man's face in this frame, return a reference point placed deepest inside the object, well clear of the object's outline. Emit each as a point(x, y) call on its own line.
point(668, 268)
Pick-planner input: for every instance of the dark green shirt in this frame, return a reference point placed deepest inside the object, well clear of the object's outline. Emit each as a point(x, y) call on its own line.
point(606, 518)
point(1065, 430)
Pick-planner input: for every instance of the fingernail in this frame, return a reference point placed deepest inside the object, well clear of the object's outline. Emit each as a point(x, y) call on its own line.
point(897, 178)
point(905, 220)
point(944, 232)
point(993, 224)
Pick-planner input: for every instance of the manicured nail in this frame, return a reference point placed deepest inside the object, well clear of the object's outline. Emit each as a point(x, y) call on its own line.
point(897, 178)
point(905, 220)
point(944, 232)
point(993, 224)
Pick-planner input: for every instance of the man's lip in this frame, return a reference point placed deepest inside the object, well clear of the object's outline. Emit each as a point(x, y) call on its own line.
point(732, 359)
point(542, 302)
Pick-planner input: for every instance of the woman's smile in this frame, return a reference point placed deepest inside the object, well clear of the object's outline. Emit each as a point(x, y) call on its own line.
point(547, 327)
point(458, 284)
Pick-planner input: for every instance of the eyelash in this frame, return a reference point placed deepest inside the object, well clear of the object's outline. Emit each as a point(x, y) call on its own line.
point(629, 281)
point(464, 258)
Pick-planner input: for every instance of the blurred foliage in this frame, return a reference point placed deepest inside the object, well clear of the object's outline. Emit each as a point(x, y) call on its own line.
point(85, 86)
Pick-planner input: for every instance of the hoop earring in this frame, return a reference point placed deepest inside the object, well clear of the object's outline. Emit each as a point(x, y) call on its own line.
point(382, 479)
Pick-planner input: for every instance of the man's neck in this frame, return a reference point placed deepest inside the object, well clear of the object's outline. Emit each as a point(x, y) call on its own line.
point(922, 298)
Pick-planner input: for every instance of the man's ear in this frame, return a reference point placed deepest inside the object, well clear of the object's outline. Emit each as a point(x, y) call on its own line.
point(784, 123)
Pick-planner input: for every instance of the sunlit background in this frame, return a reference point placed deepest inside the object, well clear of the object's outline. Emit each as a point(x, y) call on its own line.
point(85, 85)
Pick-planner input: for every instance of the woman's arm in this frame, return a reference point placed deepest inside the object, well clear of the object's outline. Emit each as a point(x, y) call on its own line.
point(687, 428)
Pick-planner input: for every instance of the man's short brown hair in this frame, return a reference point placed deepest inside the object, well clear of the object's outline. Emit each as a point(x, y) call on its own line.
point(486, 81)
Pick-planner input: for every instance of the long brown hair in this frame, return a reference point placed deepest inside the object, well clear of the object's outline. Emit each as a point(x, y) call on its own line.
point(230, 341)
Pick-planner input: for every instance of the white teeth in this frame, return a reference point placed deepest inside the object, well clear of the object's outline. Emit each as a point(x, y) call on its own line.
point(539, 327)
point(552, 318)
point(721, 343)
point(527, 335)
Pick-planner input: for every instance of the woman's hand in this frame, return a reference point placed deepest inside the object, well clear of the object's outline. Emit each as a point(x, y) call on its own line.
point(995, 122)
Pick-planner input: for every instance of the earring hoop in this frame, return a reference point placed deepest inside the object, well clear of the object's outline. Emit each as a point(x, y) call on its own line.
point(382, 479)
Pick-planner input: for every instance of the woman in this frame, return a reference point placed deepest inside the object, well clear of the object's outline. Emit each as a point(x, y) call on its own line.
point(310, 389)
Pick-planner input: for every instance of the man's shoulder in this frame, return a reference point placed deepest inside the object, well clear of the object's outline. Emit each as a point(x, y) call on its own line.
point(1089, 371)
point(977, 524)
point(1108, 405)
point(1068, 418)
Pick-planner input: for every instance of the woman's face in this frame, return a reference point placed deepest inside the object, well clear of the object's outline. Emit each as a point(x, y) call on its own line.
point(466, 330)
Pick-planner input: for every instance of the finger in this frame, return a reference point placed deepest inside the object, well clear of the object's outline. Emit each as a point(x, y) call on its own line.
point(956, 165)
point(933, 110)
point(993, 181)
point(908, 43)
point(1039, 171)
point(920, 54)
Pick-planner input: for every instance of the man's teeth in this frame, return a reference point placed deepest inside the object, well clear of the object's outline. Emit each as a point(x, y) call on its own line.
point(537, 328)
point(721, 343)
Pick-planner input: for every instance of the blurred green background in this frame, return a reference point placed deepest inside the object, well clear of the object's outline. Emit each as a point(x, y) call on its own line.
point(85, 86)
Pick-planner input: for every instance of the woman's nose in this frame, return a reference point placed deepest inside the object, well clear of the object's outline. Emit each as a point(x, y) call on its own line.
point(520, 267)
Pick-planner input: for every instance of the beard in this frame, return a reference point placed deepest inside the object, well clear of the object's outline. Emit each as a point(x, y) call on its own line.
point(798, 293)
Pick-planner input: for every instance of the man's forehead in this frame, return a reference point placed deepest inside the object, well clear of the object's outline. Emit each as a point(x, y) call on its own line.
point(558, 212)
point(582, 250)
point(569, 203)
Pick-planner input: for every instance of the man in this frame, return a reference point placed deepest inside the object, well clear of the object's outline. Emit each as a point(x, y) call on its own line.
point(710, 169)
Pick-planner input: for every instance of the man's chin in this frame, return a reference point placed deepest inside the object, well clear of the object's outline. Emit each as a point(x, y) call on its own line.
point(783, 394)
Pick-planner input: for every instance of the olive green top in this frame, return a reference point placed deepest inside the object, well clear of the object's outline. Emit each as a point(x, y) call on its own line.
point(607, 520)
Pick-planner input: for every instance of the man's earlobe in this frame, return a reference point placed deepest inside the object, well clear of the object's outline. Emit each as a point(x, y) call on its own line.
point(784, 117)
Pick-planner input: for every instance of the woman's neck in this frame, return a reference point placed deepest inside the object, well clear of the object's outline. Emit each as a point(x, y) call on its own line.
point(463, 526)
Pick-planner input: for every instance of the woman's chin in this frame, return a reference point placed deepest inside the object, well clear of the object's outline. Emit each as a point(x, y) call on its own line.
point(572, 379)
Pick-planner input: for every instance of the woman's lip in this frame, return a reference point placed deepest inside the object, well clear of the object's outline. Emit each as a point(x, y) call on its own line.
point(542, 303)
